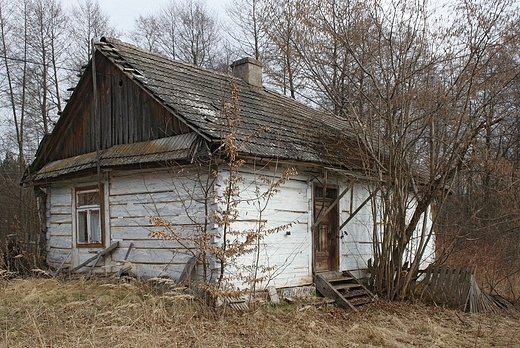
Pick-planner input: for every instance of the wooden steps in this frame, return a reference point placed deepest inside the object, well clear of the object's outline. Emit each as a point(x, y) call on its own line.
point(344, 288)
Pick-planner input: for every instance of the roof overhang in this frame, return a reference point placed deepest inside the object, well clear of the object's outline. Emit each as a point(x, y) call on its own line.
point(175, 148)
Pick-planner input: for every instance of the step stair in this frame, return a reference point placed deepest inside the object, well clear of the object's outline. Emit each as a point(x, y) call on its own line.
point(344, 288)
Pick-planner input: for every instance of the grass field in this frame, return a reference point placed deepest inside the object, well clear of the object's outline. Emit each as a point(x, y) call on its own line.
point(37, 312)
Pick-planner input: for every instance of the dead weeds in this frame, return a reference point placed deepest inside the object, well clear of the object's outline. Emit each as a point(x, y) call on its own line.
point(39, 312)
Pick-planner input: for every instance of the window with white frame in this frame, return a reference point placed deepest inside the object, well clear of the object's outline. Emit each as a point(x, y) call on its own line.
point(89, 214)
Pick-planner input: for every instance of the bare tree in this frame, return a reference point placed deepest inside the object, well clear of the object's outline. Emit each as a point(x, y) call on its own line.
point(147, 32)
point(20, 62)
point(14, 67)
point(168, 25)
point(88, 22)
point(46, 32)
point(480, 220)
point(187, 31)
point(251, 19)
point(415, 97)
point(284, 67)
point(198, 33)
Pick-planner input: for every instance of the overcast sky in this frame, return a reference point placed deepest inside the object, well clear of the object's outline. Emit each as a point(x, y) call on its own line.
point(122, 13)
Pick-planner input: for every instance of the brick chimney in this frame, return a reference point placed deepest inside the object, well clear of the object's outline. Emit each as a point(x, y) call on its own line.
point(249, 70)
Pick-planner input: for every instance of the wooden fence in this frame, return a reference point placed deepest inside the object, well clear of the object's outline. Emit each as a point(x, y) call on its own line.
point(456, 287)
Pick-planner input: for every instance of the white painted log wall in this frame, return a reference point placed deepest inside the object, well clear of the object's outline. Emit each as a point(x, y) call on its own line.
point(288, 251)
point(136, 196)
point(59, 226)
point(356, 246)
point(356, 236)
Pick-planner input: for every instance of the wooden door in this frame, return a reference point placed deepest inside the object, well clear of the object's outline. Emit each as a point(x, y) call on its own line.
point(325, 234)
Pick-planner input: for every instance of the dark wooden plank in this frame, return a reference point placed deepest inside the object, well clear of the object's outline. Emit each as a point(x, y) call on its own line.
point(101, 253)
point(94, 264)
point(466, 287)
point(352, 215)
point(356, 293)
point(346, 286)
point(332, 205)
point(188, 270)
point(325, 288)
point(361, 300)
point(126, 257)
point(339, 279)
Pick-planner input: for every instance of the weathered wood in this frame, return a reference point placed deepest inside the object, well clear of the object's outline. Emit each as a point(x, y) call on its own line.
point(126, 108)
point(327, 290)
point(357, 210)
point(126, 258)
point(94, 264)
point(101, 253)
point(455, 286)
point(188, 270)
point(61, 266)
point(60, 242)
point(326, 233)
point(273, 294)
point(352, 291)
point(466, 283)
point(332, 205)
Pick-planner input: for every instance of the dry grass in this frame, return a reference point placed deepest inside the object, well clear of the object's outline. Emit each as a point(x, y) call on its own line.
point(105, 313)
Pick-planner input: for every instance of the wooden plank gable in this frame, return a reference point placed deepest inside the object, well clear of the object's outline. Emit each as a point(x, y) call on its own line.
point(125, 114)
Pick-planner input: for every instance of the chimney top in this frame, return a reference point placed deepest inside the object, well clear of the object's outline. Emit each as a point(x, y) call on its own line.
point(249, 70)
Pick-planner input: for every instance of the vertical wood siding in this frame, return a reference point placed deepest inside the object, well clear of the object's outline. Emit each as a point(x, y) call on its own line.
point(126, 114)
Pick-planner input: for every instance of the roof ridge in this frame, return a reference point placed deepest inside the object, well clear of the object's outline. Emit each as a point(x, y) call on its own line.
point(114, 42)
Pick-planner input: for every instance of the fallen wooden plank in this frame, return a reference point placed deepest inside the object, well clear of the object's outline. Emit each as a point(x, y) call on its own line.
point(126, 257)
point(94, 264)
point(188, 270)
point(97, 256)
point(326, 289)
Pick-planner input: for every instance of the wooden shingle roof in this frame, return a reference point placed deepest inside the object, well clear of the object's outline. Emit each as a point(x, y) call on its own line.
point(271, 125)
point(294, 131)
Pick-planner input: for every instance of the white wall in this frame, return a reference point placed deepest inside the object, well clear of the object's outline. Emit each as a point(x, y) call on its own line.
point(356, 236)
point(59, 226)
point(286, 252)
point(132, 197)
point(136, 196)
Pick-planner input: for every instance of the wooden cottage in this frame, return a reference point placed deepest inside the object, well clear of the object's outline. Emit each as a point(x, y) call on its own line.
point(139, 153)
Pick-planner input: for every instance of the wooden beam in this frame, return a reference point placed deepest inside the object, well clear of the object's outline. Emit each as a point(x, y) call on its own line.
point(94, 264)
point(357, 210)
point(97, 256)
point(188, 270)
point(322, 214)
point(327, 290)
point(126, 257)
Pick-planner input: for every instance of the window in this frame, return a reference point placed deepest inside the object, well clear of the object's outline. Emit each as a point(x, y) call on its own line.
point(330, 193)
point(89, 216)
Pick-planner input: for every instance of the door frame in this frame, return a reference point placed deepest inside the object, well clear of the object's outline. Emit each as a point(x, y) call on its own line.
point(333, 240)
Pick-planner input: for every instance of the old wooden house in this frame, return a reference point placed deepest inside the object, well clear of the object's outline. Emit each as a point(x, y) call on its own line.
point(132, 147)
